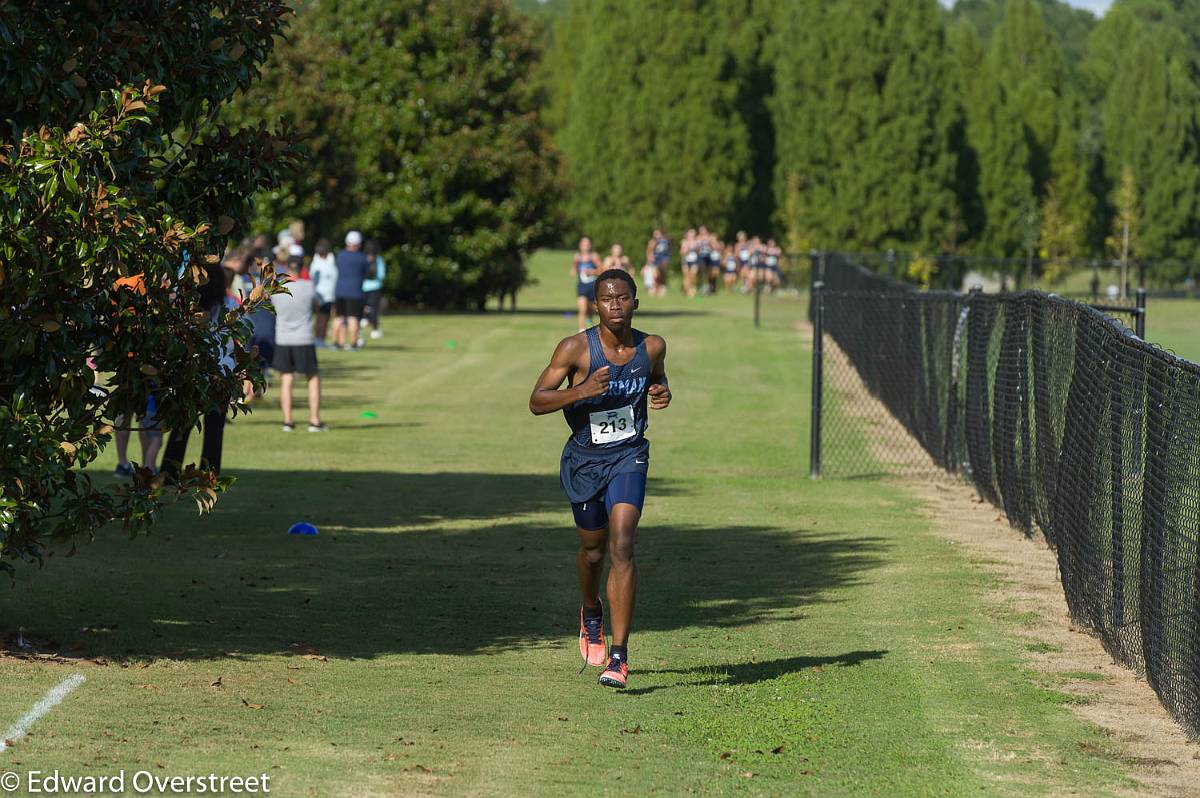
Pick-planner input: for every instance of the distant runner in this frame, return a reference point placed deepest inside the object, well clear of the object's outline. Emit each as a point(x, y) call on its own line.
point(585, 266)
point(612, 371)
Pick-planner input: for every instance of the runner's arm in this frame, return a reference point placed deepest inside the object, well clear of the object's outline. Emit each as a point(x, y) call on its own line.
point(547, 396)
point(659, 391)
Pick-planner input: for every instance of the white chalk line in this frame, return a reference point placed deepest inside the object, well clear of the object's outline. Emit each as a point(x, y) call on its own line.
point(48, 702)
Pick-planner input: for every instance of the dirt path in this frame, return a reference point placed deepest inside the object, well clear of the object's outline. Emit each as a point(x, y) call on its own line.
point(1153, 749)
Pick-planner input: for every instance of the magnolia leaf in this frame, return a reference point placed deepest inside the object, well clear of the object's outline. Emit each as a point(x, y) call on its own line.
point(217, 43)
point(50, 325)
point(237, 51)
point(79, 82)
point(70, 64)
point(224, 225)
point(148, 370)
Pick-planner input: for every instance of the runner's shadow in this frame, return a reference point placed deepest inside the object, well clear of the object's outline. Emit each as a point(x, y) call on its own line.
point(754, 672)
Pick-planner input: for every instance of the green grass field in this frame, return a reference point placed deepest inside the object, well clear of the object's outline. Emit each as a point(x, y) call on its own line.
point(1173, 324)
point(792, 637)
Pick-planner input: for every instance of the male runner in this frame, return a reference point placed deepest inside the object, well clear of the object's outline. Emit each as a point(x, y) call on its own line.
point(612, 370)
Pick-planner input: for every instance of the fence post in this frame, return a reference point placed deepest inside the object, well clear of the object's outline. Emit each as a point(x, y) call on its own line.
point(757, 295)
point(818, 314)
point(1139, 323)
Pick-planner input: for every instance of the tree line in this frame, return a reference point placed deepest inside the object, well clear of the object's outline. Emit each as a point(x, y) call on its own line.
point(994, 128)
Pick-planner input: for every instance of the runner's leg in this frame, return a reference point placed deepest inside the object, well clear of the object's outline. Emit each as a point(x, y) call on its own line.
point(622, 574)
point(581, 303)
point(589, 562)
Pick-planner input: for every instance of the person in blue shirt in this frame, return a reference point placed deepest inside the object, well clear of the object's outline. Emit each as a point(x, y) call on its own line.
point(352, 268)
point(373, 289)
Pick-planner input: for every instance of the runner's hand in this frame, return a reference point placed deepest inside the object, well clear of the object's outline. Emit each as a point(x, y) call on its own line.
point(596, 384)
point(660, 396)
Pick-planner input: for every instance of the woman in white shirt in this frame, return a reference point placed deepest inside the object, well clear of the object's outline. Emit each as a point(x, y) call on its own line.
point(323, 273)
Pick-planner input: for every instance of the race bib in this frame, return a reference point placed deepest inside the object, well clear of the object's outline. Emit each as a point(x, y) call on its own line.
point(610, 426)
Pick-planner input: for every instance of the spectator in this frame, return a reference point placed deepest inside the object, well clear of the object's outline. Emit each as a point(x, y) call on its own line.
point(373, 289)
point(212, 302)
point(352, 266)
point(294, 350)
point(323, 273)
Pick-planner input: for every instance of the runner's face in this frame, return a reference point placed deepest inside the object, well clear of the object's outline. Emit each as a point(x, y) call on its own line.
point(615, 304)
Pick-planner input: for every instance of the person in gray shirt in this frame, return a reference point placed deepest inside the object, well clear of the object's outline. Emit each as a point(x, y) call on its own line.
point(294, 349)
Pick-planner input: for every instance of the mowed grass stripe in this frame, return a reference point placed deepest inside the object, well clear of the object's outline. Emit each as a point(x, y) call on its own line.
point(820, 619)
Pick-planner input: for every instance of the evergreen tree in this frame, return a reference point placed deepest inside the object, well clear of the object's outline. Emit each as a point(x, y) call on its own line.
point(654, 135)
point(1124, 242)
point(1150, 128)
point(1026, 59)
point(868, 126)
point(1071, 26)
point(556, 73)
point(995, 132)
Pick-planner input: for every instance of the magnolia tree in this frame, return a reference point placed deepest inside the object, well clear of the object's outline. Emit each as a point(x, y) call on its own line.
point(117, 192)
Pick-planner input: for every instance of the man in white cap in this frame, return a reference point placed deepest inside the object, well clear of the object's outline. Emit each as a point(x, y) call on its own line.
point(352, 267)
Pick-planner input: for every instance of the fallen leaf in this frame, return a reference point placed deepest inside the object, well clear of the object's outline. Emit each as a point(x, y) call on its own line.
point(421, 768)
point(217, 683)
point(292, 681)
point(390, 758)
point(151, 687)
point(725, 755)
point(317, 657)
point(747, 775)
point(248, 705)
point(817, 669)
point(635, 730)
point(777, 749)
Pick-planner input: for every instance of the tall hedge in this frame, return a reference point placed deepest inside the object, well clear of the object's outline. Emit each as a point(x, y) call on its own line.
point(654, 134)
point(423, 131)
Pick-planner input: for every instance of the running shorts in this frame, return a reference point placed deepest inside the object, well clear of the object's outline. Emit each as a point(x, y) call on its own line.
point(628, 487)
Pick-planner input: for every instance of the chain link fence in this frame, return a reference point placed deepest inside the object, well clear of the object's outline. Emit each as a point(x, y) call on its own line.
point(1057, 414)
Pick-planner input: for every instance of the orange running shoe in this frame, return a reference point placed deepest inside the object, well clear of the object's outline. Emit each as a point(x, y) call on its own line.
point(591, 639)
point(616, 674)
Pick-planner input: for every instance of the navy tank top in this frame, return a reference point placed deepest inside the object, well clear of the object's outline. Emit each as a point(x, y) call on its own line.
point(586, 279)
point(616, 418)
